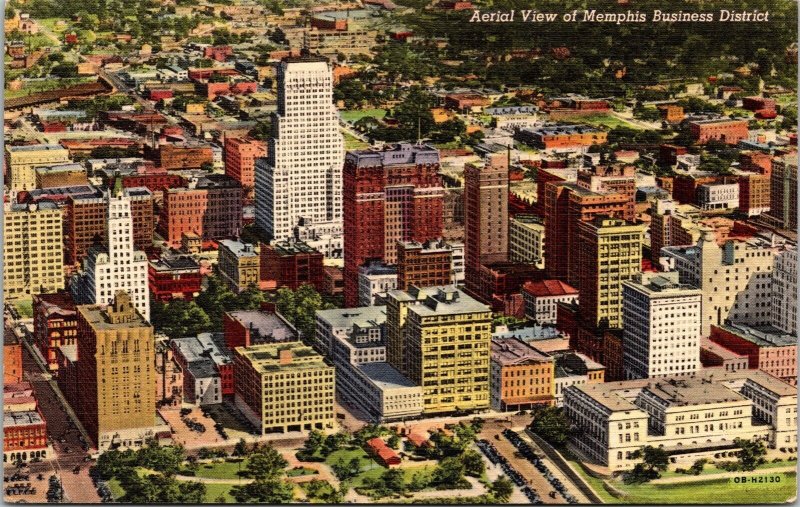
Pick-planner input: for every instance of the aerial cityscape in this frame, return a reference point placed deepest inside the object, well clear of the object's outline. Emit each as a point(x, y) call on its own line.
point(400, 251)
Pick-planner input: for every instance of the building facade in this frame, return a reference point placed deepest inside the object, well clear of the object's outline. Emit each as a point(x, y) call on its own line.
point(526, 239)
point(239, 265)
point(22, 161)
point(33, 253)
point(542, 297)
point(284, 387)
point(660, 326)
point(783, 309)
point(299, 183)
point(521, 376)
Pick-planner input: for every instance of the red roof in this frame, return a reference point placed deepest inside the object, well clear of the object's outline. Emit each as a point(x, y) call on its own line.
point(379, 447)
point(417, 439)
point(542, 288)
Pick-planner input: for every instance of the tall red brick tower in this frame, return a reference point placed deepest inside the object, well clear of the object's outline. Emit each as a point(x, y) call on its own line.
point(390, 195)
point(485, 216)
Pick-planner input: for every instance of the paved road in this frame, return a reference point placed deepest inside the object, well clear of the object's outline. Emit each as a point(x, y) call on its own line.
point(78, 488)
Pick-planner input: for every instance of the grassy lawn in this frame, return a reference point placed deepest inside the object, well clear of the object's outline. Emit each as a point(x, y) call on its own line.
point(351, 143)
point(604, 120)
point(717, 491)
point(50, 24)
point(24, 306)
point(711, 469)
point(224, 470)
point(595, 483)
point(116, 490)
point(452, 145)
point(297, 472)
point(213, 491)
point(356, 114)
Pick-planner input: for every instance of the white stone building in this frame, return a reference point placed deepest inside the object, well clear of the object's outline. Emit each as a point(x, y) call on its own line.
point(299, 183)
point(784, 291)
point(661, 326)
point(735, 278)
point(375, 280)
point(690, 417)
point(718, 196)
point(542, 297)
point(116, 266)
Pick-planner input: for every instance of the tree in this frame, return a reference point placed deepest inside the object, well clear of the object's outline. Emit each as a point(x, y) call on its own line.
point(697, 466)
point(654, 461)
point(751, 453)
point(394, 480)
point(473, 463)
point(265, 463)
point(313, 442)
point(502, 488)
point(180, 318)
point(240, 449)
point(299, 307)
point(268, 491)
point(551, 424)
point(393, 441)
point(449, 473)
point(55, 492)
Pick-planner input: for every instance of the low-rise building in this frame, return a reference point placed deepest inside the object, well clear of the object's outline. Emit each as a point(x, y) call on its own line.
point(174, 277)
point(291, 264)
point(521, 376)
point(238, 265)
point(245, 328)
point(375, 280)
point(726, 130)
point(767, 348)
point(207, 368)
point(562, 136)
point(689, 417)
point(55, 323)
point(714, 355)
point(542, 297)
point(284, 387)
point(574, 369)
point(712, 196)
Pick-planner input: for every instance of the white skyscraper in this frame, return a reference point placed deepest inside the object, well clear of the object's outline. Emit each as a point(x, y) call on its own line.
point(784, 291)
point(298, 186)
point(661, 326)
point(118, 266)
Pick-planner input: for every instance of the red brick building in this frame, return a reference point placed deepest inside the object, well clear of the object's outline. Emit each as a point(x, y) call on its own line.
point(390, 195)
point(758, 104)
point(174, 278)
point(173, 156)
point(485, 217)
point(426, 264)
point(754, 190)
point(85, 219)
point(210, 207)
point(12, 357)
point(244, 328)
point(24, 436)
point(218, 53)
point(291, 264)
point(55, 324)
point(755, 161)
point(767, 349)
point(728, 131)
point(240, 160)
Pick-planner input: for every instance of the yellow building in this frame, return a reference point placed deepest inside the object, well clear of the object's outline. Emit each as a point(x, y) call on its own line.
point(116, 375)
point(21, 162)
point(33, 254)
point(283, 387)
point(238, 264)
point(610, 252)
point(439, 338)
point(526, 239)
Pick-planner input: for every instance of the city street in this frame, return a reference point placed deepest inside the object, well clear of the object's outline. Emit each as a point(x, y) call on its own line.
point(66, 441)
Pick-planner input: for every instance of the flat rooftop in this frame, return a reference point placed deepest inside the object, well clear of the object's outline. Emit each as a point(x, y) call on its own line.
point(394, 154)
point(25, 418)
point(345, 318)
point(264, 326)
point(691, 391)
point(763, 336)
point(513, 351)
point(385, 376)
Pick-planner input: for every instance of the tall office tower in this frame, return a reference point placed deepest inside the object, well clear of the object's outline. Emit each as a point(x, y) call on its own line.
point(485, 216)
point(735, 277)
point(784, 291)
point(299, 183)
point(116, 374)
point(566, 205)
point(439, 338)
point(783, 192)
point(33, 254)
point(661, 326)
point(610, 252)
point(390, 195)
point(116, 266)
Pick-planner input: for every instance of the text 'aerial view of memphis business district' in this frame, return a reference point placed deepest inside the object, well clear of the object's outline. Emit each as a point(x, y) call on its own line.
point(380, 251)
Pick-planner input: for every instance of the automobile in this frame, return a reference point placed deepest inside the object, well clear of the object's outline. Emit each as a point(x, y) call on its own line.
point(76, 470)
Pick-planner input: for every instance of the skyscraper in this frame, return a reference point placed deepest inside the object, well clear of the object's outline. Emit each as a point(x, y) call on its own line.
point(299, 183)
point(485, 216)
point(117, 404)
point(391, 195)
point(661, 326)
point(116, 266)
